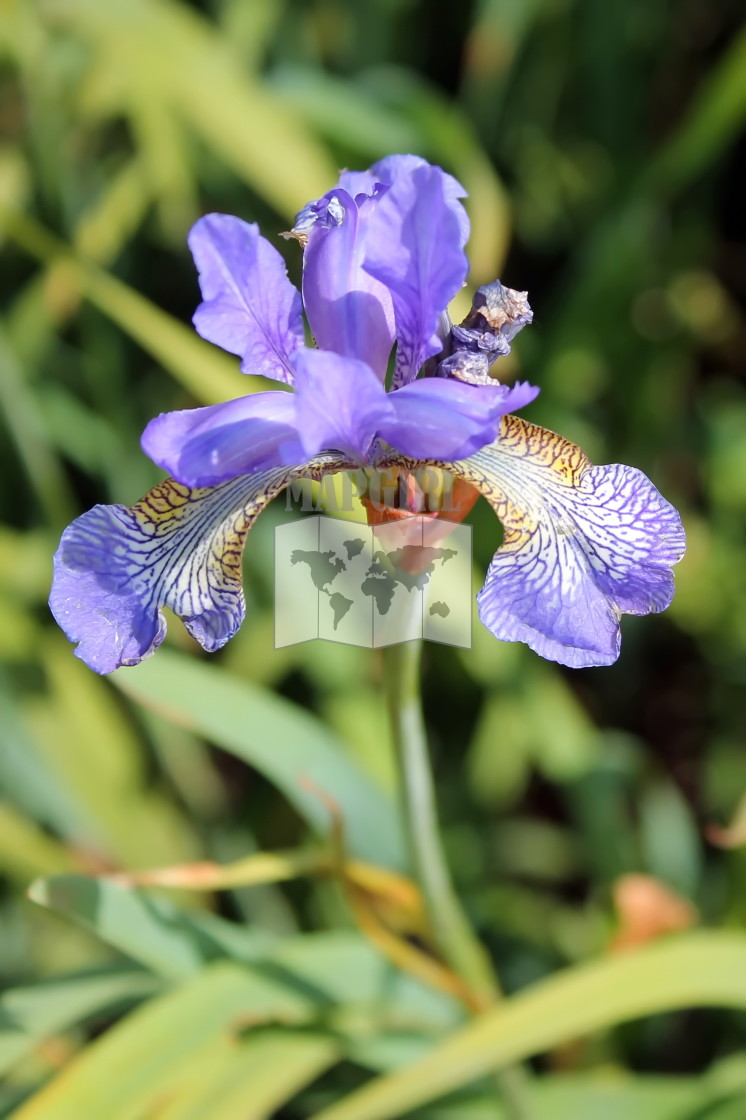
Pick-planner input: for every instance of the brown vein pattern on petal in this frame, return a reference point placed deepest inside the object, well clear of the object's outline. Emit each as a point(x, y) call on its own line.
point(583, 545)
point(117, 565)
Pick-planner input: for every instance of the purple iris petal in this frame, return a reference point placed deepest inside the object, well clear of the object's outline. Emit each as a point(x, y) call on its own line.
point(207, 446)
point(341, 404)
point(358, 183)
point(415, 246)
point(391, 168)
point(116, 566)
point(388, 170)
point(250, 307)
point(349, 311)
point(583, 545)
point(111, 628)
point(439, 419)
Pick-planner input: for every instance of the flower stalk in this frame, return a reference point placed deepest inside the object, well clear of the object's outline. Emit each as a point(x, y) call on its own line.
point(450, 929)
point(451, 932)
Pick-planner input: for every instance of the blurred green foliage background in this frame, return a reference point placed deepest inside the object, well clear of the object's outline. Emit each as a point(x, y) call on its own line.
point(599, 144)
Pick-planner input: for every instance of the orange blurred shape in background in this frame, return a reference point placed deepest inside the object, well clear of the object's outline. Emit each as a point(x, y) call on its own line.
point(647, 909)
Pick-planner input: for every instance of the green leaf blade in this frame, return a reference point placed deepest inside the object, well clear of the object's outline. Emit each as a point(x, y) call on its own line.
point(698, 969)
point(289, 746)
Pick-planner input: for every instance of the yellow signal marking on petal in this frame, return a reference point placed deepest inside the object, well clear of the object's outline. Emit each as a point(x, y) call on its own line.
point(546, 448)
point(582, 544)
point(217, 520)
point(536, 466)
point(530, 457)
point(192, 540)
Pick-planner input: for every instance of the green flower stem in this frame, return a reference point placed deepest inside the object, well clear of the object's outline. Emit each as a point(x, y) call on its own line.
point(452, 934)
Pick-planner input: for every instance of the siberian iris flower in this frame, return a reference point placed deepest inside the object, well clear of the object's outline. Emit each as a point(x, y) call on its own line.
point(383, 256)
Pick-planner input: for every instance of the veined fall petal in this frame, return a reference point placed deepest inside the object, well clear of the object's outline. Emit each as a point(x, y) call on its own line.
point(117, 566)
point(583, 545)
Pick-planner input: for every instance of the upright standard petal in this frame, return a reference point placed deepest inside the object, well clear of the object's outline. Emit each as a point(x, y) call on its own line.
point(391, 168)
point(583, 545)
point(207, 446)
point(250, 307)
point(415, 246)
point(341, 404)
point(349, 311)
point(385, 173)
point(441, 419)
point(117, 566)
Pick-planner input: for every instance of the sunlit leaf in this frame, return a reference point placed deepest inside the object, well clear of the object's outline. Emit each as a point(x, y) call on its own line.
point(152, 931)
point(39, 461)
point(706, 969)
point(612, 1096)
point(338, 969)
point(253, 1079)
point(715, 116)
point(95, 755)
point(159, 1044)
point(203, 369)
point(30, 1015)
point(303, 759)
point(22, 768)
point(182, 61)
point(26, 850)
